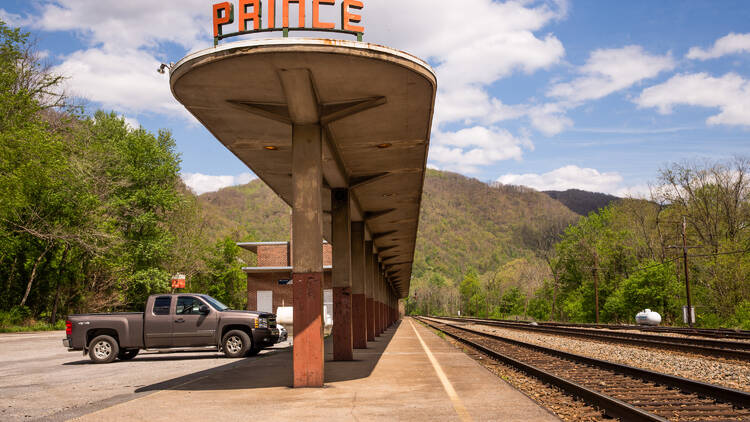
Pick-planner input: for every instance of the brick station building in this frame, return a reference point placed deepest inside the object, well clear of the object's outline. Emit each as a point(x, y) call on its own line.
point(269, 284)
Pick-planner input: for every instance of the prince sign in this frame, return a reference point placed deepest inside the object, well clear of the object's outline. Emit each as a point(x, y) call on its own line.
point(249, 15)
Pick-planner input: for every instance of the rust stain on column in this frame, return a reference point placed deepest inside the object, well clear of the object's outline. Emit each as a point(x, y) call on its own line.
point(342, 328)
point(370, 319)
point(308, 329)
point(359, 319)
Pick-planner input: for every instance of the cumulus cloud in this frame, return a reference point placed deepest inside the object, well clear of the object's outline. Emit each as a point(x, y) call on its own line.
point(728, 44)
point(468, 149)
point(202, 183)
point(469, 57)
point(568, 177)
point(729, 93)
point(124, 80)
point(609, 70)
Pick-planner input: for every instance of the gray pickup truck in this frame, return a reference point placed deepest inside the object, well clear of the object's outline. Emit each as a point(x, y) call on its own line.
point(171, 321)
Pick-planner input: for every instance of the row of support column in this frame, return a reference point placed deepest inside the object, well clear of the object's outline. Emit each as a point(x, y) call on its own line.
point(364, 305)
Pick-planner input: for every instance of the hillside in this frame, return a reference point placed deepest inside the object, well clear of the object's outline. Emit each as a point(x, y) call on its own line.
point(582, 202)
point(247, 213)
point(464, 223)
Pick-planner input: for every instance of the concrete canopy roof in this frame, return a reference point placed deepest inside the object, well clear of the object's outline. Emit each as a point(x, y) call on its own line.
point(375, 105)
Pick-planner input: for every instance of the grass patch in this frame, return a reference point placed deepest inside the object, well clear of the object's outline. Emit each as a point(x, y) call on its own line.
point(32, 326)
point(19, 319)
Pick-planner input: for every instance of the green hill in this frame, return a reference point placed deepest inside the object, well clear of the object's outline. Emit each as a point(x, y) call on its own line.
point(464, 222)
point(582, 202)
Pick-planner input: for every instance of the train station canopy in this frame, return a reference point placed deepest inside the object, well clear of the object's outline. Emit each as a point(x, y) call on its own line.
point(374, 105)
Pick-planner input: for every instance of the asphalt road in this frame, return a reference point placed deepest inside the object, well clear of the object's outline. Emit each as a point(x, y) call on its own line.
point(41, 380)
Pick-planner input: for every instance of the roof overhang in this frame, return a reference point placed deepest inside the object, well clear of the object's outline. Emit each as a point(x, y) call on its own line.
point(375, 106)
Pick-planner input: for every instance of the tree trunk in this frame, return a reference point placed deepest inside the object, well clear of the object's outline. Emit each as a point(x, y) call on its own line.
point(33, 274)
point(12, 274)
point(53, 317)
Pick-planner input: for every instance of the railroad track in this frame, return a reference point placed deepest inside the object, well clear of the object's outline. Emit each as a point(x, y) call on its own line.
point(725, 333)
point(707, 347)
point(625, 392)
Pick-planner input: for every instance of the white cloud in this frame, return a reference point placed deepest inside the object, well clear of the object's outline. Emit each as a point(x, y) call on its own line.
point(467, 149)
point(609, 70)
point(728, 44)
point(122, 80)
point(730, 93)
point(128, 24)
point(202, 183)
point(568, 177)
point(473, 46)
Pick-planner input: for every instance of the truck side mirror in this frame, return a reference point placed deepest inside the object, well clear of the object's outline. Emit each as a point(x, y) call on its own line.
point(203, 309)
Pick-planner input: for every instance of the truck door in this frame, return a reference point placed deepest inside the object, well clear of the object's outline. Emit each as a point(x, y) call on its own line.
point(191, 328)
point(157, 325)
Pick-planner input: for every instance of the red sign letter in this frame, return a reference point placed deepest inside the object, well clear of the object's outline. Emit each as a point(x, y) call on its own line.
point(301, 3)
point(219, 20)
point(245, 16)
point(316, 15)
point(348, 18)
point(272, 13)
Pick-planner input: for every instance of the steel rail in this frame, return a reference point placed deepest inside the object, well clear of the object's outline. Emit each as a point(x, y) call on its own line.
point(612, 406)
point(697, 332)
point(717, 348)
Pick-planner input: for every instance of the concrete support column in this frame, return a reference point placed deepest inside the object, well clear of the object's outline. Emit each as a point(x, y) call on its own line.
point(381, 300)
point(342, 275)
point(378, 310)
point(307, 269)
point(370, 262)
point(359, 303)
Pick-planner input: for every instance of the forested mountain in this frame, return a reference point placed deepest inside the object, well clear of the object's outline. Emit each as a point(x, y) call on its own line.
point(582, 202)
point(464, 223)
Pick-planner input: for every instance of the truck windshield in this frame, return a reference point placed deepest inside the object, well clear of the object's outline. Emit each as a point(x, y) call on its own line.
point(215, 303)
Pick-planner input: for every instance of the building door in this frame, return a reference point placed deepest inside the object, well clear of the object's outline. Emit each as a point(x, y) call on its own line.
point(265, 301)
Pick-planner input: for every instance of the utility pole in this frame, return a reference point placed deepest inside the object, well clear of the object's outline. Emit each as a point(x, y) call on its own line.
point(685, 262)
point(596, 285)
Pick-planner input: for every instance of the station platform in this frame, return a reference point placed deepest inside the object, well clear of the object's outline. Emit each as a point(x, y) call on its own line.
point(407, 374)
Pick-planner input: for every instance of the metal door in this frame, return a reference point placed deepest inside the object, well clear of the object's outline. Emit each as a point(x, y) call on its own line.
point(157, 324)
point(265, 301)
point(191, 328)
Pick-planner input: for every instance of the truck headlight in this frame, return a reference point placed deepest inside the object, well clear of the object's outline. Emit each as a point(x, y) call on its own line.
point(263, 322)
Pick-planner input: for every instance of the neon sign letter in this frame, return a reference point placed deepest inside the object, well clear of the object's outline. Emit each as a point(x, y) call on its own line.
point(220, 20)
point(347, 18)
point(301, 4)
point(254, 16)
point(316, 15)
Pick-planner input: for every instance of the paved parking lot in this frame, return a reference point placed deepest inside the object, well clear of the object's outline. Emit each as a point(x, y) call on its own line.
point(40, 379)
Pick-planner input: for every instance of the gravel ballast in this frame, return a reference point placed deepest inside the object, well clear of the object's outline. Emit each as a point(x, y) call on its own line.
point(727, 373)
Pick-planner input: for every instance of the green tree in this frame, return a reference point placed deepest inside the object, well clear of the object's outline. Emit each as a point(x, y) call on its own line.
point(471, 294)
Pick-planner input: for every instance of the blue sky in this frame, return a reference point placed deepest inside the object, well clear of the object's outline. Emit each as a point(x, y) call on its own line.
point(554, 94)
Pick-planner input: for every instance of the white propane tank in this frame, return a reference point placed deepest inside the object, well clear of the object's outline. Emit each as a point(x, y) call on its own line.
point(284, 315)
point(648, 317)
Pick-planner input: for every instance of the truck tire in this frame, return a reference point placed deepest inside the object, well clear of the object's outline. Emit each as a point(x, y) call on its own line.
point(127, 354)
point(236, 343)
point(103, 349)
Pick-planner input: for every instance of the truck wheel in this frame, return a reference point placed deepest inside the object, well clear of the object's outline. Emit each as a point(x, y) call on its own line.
point(253, 351)
point(103, 349)
point(127, 354)
point(236, 343)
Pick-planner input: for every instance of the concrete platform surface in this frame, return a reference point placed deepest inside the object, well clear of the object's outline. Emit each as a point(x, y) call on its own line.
point(407, 374)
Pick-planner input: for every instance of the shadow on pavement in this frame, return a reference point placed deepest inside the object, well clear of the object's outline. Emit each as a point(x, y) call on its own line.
point(273, 368)
point(154, 357)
